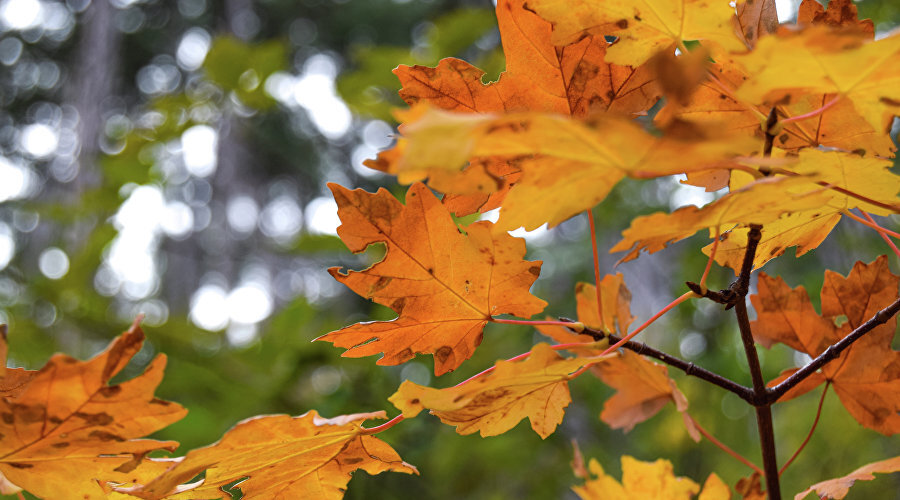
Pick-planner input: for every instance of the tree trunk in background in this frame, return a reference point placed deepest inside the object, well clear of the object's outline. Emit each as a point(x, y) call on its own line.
point(93, 79)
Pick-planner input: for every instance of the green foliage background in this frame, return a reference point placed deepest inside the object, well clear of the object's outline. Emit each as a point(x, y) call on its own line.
point(282, 371)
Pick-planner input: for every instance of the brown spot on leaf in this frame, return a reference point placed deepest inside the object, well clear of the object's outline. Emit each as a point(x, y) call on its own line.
point(535, 270)
point(161, 402)
point(7, 418)
point(105, 436)
point(783, 138)
point(414, 401)
point(352, 460)
point(19, 465)
point(64, 444)
point(110, 391)
point(398, 304)
point(405, 355)
point(443, 353)
point(622, 23)
point(95, 418)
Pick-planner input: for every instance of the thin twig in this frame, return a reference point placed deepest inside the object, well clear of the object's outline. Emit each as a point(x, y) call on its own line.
point(664, 310)
point(881, 317)
point(813, 113)
point(873, 225)
point(383, 427)
point(712, 439)
point(811, 430)
point(881, 231)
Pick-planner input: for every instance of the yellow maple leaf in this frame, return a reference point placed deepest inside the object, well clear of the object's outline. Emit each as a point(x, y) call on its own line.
point(759, 202)
point(825, 60)
point(867, 178)
point(536, 388)
point(279, 456)
point(643, 27)
point(654, 480)
point(556, 152)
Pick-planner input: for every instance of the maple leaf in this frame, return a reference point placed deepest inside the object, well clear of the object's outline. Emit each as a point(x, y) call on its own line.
point(494, 403)
point(867, 178)
point(555, 152)
point(839, 126)
point(866, 376)
point(647, 480)
point(573, 79)
point(67, 429)
point(445, 285)
point(756, 18)
point(643, 27)
point(12, 380)
point(819, 59)
point(279, 456)
point(759, 202)
point(643, 387)
point(839, 487)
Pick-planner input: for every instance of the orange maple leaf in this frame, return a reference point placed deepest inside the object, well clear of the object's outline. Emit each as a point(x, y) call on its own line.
point(536, 388)
point(839, 487)
point(445, 285)
point(279, 456)
point(67, 431)
point(642, 387)
point(648, 480)
point(756, 18)
point(866, 376)
point(572, 80)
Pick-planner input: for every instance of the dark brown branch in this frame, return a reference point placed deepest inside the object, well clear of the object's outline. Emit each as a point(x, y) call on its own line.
point(760, 393)
point(771, 121)
point(687, 367)
point(833, 351)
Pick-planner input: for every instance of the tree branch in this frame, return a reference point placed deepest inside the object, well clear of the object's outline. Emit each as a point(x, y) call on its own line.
point(881, 317)
point(760, 392)
point(687, 367)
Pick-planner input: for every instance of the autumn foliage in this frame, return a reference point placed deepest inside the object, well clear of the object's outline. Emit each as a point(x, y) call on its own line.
point(793, 120)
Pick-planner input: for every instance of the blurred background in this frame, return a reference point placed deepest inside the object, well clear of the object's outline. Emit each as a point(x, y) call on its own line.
point(170, 158)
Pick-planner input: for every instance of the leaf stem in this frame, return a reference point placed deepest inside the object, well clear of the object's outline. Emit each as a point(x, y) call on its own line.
point(814, 113)
point(664, 310)
point(872, 224)
point(383, 427)
point(811, 430)
point(596, 268)
point(881, 231)
point(712, 439)
point(833, 351)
